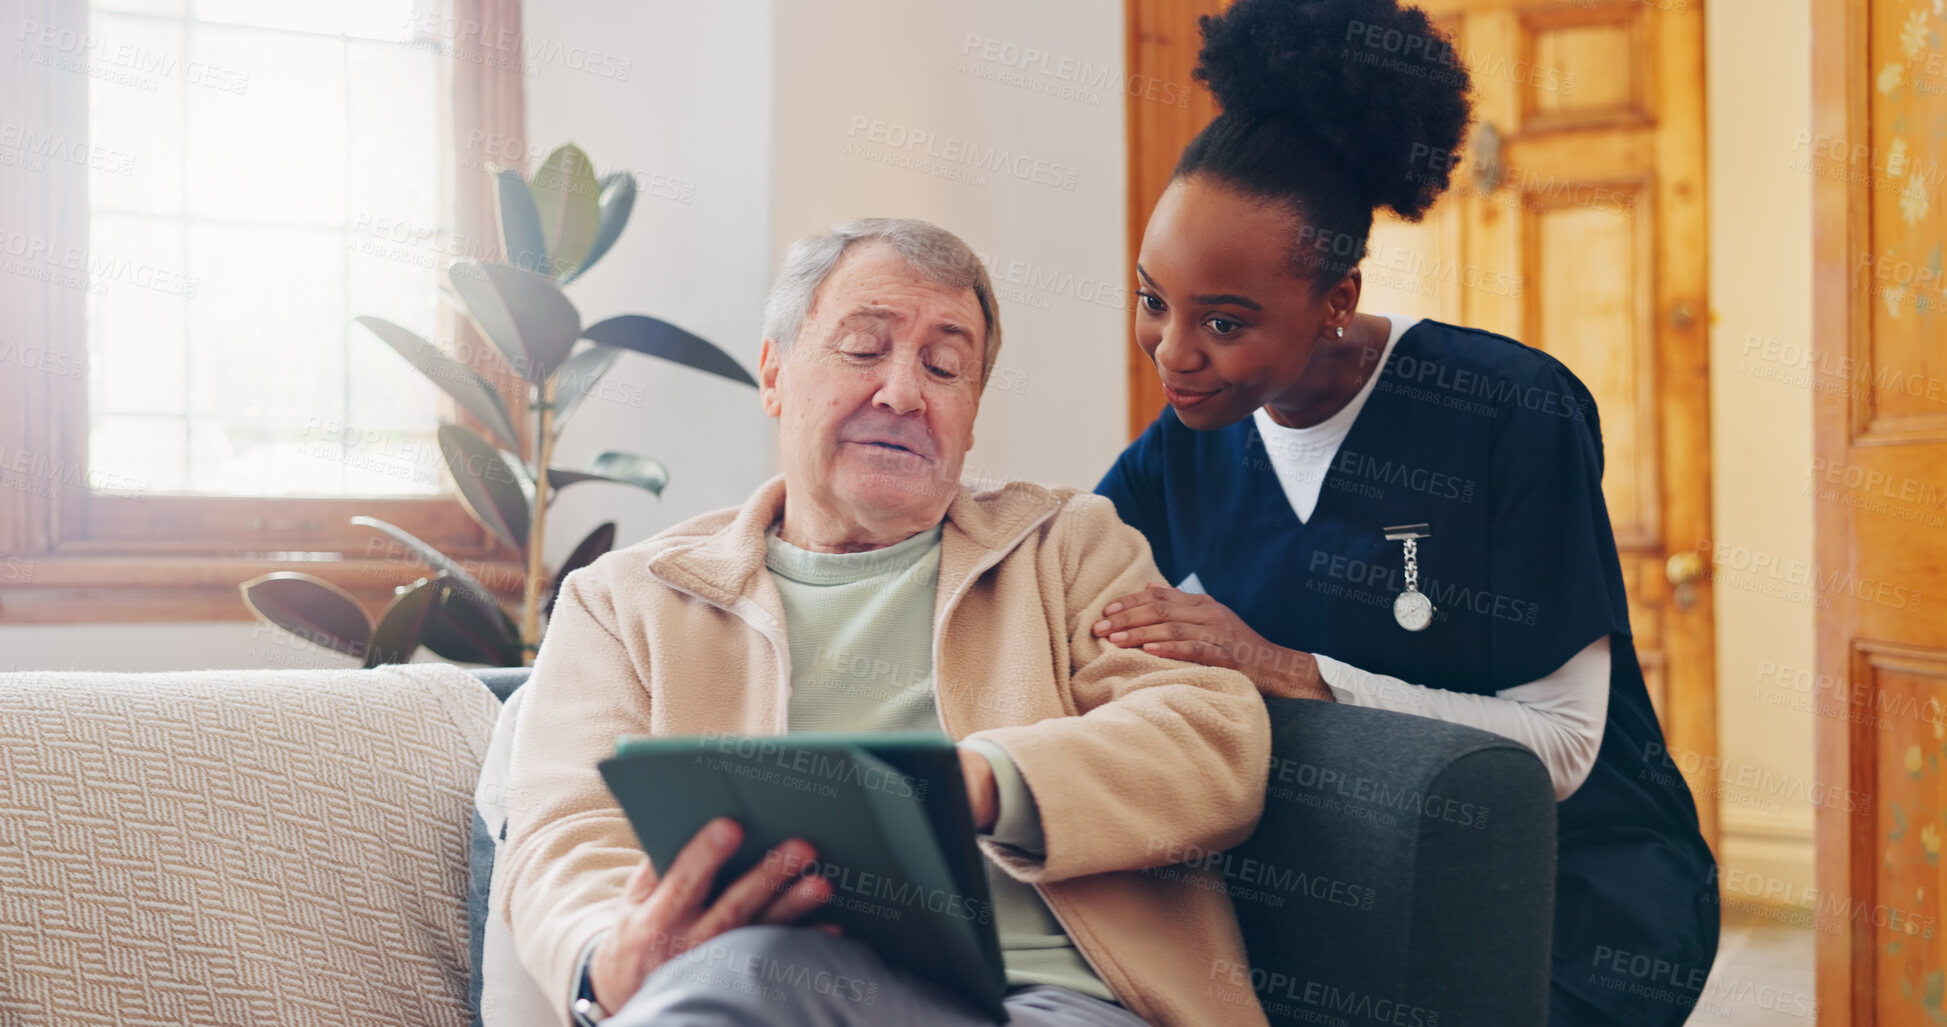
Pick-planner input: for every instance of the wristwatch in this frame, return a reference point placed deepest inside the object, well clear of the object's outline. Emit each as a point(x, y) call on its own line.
point(587, 1009)
point(589, 1012)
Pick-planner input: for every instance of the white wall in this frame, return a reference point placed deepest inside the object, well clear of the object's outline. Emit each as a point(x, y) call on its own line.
point(693, 120)
point(893, 108)
point(1759, 94)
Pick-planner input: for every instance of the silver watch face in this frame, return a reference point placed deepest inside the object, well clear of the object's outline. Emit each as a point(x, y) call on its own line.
point(1413, 610)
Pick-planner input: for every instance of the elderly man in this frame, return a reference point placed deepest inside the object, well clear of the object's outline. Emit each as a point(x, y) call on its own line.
point(1088, 765)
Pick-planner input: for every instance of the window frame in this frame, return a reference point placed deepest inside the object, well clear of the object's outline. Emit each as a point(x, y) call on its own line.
point(70, 554)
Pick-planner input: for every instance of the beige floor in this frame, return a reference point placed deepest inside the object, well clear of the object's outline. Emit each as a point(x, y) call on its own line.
point(1763, 977)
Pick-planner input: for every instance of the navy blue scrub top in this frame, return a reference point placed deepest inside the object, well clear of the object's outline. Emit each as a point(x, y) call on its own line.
point(1497, 447)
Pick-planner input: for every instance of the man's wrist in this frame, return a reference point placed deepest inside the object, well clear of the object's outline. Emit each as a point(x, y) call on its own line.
point(983, 792)
point(1017, 817)
point(586, 1008)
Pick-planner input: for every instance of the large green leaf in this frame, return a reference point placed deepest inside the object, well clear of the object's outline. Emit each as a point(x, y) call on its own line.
point(489, 488)
point(521, 238)
point(659, 338)
point(525, 316)
point(618, 199)
point(578, 377)
point(445, 565)
point(599, 541)
point(402, 626)
point(620, 468)
point(311, 608)
point(464, 633)
point(568, 199)
point(459, 381)
point(523, 475)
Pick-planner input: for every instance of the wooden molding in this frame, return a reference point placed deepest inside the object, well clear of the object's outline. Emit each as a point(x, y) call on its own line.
point(1839, 73)
point(1745, 822)
point(69, 589)
point(1163, 39)
point(1675, 39)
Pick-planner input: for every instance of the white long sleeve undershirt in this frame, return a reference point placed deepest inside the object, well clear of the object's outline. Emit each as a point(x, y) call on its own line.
point(1559, 716)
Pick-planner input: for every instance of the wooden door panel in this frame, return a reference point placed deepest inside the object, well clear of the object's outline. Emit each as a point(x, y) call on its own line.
point(1492, 198)
point(1591, 309)
point(1903, 355)
point(1557, 164)
point(1643, 579)
point(1881, 421)
point(1413, 270)
point(1601, 207)
point(1656, 680)
point(1418, 269)
point(1585, 68)
point(1900, 801)
point(1894, 583)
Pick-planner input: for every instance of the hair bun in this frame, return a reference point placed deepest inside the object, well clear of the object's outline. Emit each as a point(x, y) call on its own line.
point(1377, 87)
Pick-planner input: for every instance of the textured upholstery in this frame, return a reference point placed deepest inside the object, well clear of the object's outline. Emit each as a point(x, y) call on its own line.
point(1403, 873)
point(238, 847)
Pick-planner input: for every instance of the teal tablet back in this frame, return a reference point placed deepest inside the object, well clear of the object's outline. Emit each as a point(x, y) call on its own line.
point(887, 813)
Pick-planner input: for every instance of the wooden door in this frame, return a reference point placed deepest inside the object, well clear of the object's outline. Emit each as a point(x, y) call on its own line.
point(1576, 225)
point(1879, 143)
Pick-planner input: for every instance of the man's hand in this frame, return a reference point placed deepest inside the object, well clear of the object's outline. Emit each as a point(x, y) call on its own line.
point(1199, 629)
point(663, 918)
point(983, 792)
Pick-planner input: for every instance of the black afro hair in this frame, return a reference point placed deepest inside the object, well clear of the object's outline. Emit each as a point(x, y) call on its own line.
point(1337, 107)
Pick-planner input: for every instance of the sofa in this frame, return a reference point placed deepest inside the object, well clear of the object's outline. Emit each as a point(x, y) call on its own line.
point(301, 847)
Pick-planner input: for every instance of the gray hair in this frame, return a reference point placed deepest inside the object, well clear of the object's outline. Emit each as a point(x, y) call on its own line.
point(937, 254)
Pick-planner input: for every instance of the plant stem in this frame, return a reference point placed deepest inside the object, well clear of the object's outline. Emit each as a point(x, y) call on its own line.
point(537, 527)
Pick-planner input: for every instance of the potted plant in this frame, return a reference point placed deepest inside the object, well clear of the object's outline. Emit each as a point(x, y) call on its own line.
point(553, 228)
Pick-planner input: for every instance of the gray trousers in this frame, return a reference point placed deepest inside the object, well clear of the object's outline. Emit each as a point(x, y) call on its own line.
point(798, 976)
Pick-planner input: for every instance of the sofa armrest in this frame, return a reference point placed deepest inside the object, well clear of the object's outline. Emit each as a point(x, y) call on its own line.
point(1417, 864)
point(237, 846)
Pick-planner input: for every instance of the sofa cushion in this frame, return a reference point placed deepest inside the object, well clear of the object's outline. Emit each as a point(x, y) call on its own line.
point(231, 847)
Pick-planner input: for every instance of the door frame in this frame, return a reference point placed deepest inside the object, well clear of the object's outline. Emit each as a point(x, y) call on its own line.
point(1841, 211)
point(1162, 39)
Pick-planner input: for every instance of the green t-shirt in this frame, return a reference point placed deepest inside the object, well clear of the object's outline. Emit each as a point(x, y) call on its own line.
point(860, 627)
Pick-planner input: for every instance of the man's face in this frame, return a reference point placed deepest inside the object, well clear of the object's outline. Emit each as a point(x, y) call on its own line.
point(876, 398)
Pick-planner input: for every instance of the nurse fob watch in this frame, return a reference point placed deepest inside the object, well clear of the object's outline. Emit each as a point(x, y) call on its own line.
point(1411, 608)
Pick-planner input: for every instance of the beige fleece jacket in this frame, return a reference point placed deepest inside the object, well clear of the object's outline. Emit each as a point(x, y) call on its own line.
point(1135, 760)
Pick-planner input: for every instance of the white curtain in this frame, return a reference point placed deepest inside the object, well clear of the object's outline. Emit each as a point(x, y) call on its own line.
point(43, 236)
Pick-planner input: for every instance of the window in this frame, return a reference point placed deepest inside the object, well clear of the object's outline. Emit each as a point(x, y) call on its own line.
point(196, 198)
point(268, 171)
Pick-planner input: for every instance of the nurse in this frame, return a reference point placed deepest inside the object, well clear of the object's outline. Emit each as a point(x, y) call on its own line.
point(1364, 508)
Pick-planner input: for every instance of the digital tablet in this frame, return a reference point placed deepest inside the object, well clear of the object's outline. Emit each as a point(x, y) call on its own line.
point(887, 813)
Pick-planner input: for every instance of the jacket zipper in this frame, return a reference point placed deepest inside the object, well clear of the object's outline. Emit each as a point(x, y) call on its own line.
point(766, 628)
point(993, 557)
point(939, 709)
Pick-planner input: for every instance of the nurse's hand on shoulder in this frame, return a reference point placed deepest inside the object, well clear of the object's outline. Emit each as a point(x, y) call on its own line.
point(1199, 629)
